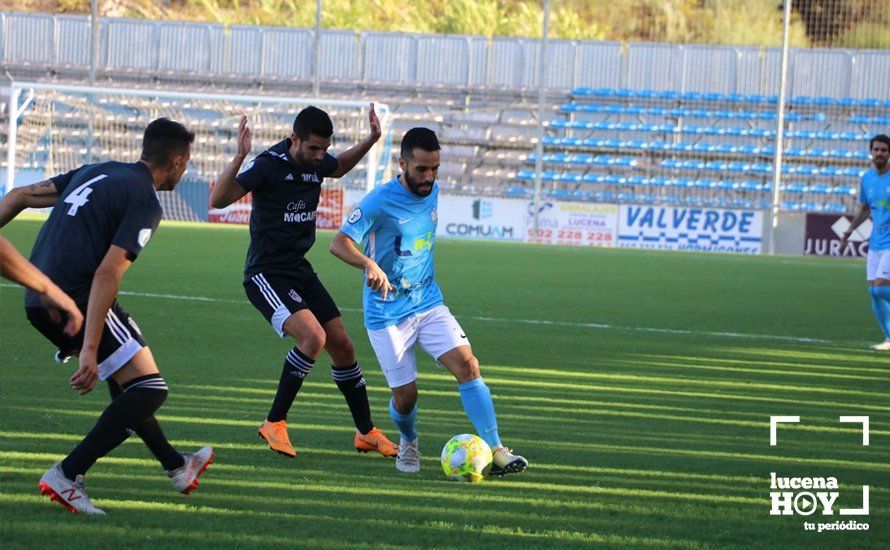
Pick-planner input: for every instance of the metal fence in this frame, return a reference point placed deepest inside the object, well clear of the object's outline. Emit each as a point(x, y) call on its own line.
point(61, 42)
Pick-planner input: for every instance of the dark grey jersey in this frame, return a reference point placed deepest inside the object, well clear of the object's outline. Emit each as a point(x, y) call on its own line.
point(111, 203)
point(285, 202)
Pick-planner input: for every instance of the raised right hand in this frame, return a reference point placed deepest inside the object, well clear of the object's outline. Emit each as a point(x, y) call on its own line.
point(244, 141)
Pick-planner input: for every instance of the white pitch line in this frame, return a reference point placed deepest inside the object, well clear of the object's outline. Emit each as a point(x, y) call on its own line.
point(600, 326)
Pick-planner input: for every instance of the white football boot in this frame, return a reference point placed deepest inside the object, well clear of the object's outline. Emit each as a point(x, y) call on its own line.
point(883, 346)
point(504, 462)
point(185, 478)
point(69, 494)
point(408, 460)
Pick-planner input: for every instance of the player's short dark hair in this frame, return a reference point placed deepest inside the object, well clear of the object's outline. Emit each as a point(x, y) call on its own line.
point(423, 138)
point(165, 138)
point(313, 120)
point(880, 137)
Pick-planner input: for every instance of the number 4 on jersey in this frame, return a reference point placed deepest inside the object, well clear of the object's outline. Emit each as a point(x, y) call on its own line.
point(80, 196)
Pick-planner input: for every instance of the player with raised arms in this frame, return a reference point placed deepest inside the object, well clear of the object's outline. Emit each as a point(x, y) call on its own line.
point(285, 182)
point(103, 216)
point(403, 305)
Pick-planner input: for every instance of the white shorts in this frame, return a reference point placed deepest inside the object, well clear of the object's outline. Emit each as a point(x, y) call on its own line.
point(437, 332)
point(877, 265)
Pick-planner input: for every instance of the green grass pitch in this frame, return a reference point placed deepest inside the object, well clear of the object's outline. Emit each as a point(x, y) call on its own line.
point(639, 385)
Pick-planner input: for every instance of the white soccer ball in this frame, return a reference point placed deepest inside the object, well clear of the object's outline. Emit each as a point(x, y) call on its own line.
point(466, 457)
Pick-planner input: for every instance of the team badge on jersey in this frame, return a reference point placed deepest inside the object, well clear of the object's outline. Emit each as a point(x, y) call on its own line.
point(294, 296)
point(144, 235)
point(435, 215)
point(355, 216)
point(246, 168)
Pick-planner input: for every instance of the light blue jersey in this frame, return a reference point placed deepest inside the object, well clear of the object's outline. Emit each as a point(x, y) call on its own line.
point(397, 230)
point(875, 192)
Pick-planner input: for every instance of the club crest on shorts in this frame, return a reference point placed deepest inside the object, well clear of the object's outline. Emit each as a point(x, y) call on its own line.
point(294, 296)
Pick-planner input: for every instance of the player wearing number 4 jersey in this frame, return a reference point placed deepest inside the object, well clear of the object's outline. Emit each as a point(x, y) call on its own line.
point(103, 215)
point(403, 305)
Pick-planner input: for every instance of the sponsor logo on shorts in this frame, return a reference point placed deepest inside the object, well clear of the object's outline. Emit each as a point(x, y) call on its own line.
point(294, 296)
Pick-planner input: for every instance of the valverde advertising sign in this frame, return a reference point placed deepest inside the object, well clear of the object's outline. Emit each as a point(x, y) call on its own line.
point(682, 228)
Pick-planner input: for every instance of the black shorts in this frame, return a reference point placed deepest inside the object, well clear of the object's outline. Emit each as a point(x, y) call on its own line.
point(277, 297)
point(121, 337)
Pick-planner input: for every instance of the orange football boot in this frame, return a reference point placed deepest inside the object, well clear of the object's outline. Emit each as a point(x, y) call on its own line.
point(275, 434)
point(375, 441)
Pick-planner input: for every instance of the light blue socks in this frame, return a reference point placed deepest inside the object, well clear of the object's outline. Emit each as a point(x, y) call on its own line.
point(880, 304)
point(405, 422)
point(476, 398)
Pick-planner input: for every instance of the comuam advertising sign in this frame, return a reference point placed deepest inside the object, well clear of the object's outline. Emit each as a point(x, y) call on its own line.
point(481, 218)
point(824, 233)
point(573, 223)
point(696, 229)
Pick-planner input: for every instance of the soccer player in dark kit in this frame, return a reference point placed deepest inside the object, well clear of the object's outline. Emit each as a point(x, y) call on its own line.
point(102, 217)
point(285, 182)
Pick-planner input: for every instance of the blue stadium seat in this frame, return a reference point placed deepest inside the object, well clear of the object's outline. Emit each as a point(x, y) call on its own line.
point(845, 190)
point(593, 142)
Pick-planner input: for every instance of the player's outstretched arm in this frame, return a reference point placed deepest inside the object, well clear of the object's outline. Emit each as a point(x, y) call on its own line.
point(861, 216)
point(227, 190)
point(16, 268)
point(106, 284)
point(38, 195)
point(350, 157)
point(344, 248)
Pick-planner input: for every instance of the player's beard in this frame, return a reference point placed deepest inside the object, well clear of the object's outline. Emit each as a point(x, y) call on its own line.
point(305, 161)
point(415, 186)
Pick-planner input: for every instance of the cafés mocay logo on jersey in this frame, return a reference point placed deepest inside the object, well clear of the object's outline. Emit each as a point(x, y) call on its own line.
point(818, 496)
point(296, 212)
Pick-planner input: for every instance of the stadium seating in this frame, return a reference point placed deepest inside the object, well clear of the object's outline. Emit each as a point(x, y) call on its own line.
point(707, 149)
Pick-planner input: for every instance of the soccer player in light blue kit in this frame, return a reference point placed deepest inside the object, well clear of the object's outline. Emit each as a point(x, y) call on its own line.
point(403, 305)
point(874, 198)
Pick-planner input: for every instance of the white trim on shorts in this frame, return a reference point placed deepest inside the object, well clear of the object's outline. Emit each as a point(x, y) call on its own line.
point(437, 332)
point(280, 313)
point(128, 349)
point(877, 265)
